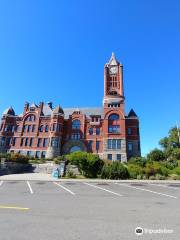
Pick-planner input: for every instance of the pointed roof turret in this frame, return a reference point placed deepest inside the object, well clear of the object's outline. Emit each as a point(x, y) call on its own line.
point(132, 114)
point(58, 110)
point(113, 60)
point(33, 105)
point(9, 111)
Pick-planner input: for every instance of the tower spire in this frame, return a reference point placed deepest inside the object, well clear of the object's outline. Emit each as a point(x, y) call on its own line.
point(113, 60)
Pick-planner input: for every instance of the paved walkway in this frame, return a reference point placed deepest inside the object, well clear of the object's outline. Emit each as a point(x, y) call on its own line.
point(28, 177)
point(48, 177)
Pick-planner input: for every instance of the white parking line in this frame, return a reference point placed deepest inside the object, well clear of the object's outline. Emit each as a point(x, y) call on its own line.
point(64, 188)
point(1, 182)
point(147, 190)
point(103, 189)
point(160, 185)
point(30, 188)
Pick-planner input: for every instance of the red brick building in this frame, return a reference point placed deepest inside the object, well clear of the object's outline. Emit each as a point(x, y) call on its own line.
point(44, 131)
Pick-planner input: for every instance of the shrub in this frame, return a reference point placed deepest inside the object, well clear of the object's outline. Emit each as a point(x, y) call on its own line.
point(159, 177)
point(70, 174)
point(139, 177)
point(18, 158)
point(59, 159)
point(170, 164)
point(152, 168)
point(141, 161)
point(164, 171)
point(174, 177)
point(106, 171)
point(88, 164)
point(152, 178)
point(134, 170)
point(176, 171)
point(114, 170)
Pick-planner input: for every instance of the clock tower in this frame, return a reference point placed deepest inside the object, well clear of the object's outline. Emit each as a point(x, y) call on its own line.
point(113, 84)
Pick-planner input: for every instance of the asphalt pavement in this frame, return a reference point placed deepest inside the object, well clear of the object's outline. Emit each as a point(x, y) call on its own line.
point(88, 210)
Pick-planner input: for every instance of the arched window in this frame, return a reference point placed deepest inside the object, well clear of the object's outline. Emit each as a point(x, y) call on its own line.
point(75, 149)
point(114, 117)
point(113, 123)
point(76, 124)
point(46, 128)
point(41, 128)
point(30, 118)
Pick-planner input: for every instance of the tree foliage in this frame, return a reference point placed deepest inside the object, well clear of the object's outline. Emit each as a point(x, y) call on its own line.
point(171, 141)
point(156, 155)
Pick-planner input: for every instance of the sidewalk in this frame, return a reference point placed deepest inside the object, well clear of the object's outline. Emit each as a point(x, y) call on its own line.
point(48, 177)
point(28, 177)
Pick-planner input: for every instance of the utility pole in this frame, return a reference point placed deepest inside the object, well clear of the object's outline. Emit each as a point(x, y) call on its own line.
point(178, 132)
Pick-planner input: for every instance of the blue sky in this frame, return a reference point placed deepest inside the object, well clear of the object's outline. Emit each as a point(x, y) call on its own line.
point(56, 51)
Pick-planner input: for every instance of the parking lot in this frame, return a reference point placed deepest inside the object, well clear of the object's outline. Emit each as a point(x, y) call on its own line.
point(87, 210)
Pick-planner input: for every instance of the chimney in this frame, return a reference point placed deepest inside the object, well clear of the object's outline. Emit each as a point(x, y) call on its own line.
point(50, 104)
point(26, 107)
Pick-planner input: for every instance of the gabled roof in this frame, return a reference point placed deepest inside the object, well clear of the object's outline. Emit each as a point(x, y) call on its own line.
point(58, 110)
point(9, 111)
point(33, 105)
point(132, 114)
point(46, 111)
point(87, 111)
point(113, 60)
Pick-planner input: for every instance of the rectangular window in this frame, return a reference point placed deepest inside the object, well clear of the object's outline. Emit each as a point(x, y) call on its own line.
point(33, 128)
point(54, 127)
point(22, 142)
point(114, 144)
point(90, 144)
point(118, 157)
point(38, 154)
point(29, 128)
point(31, 142)
point(130, 147)
point(26, 142)
point(97, 145)
point(31, 153)
point(14, 142)
point(43, 154)
point(90, 131)
point(109, 156)
point(2, 141)
point(129, 131)
point(114, 129)
point(45, 142)
point(97, 131)
point(25, 128)
point(118, 143)
point(54, 142)
point(8, 141)
point(75, 136)
point(39, 142)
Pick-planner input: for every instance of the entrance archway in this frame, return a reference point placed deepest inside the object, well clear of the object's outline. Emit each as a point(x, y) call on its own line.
point(73, 146)
point(75, 149)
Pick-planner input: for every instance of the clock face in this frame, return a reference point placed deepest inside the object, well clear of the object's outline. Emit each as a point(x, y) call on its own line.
point(113, 70)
